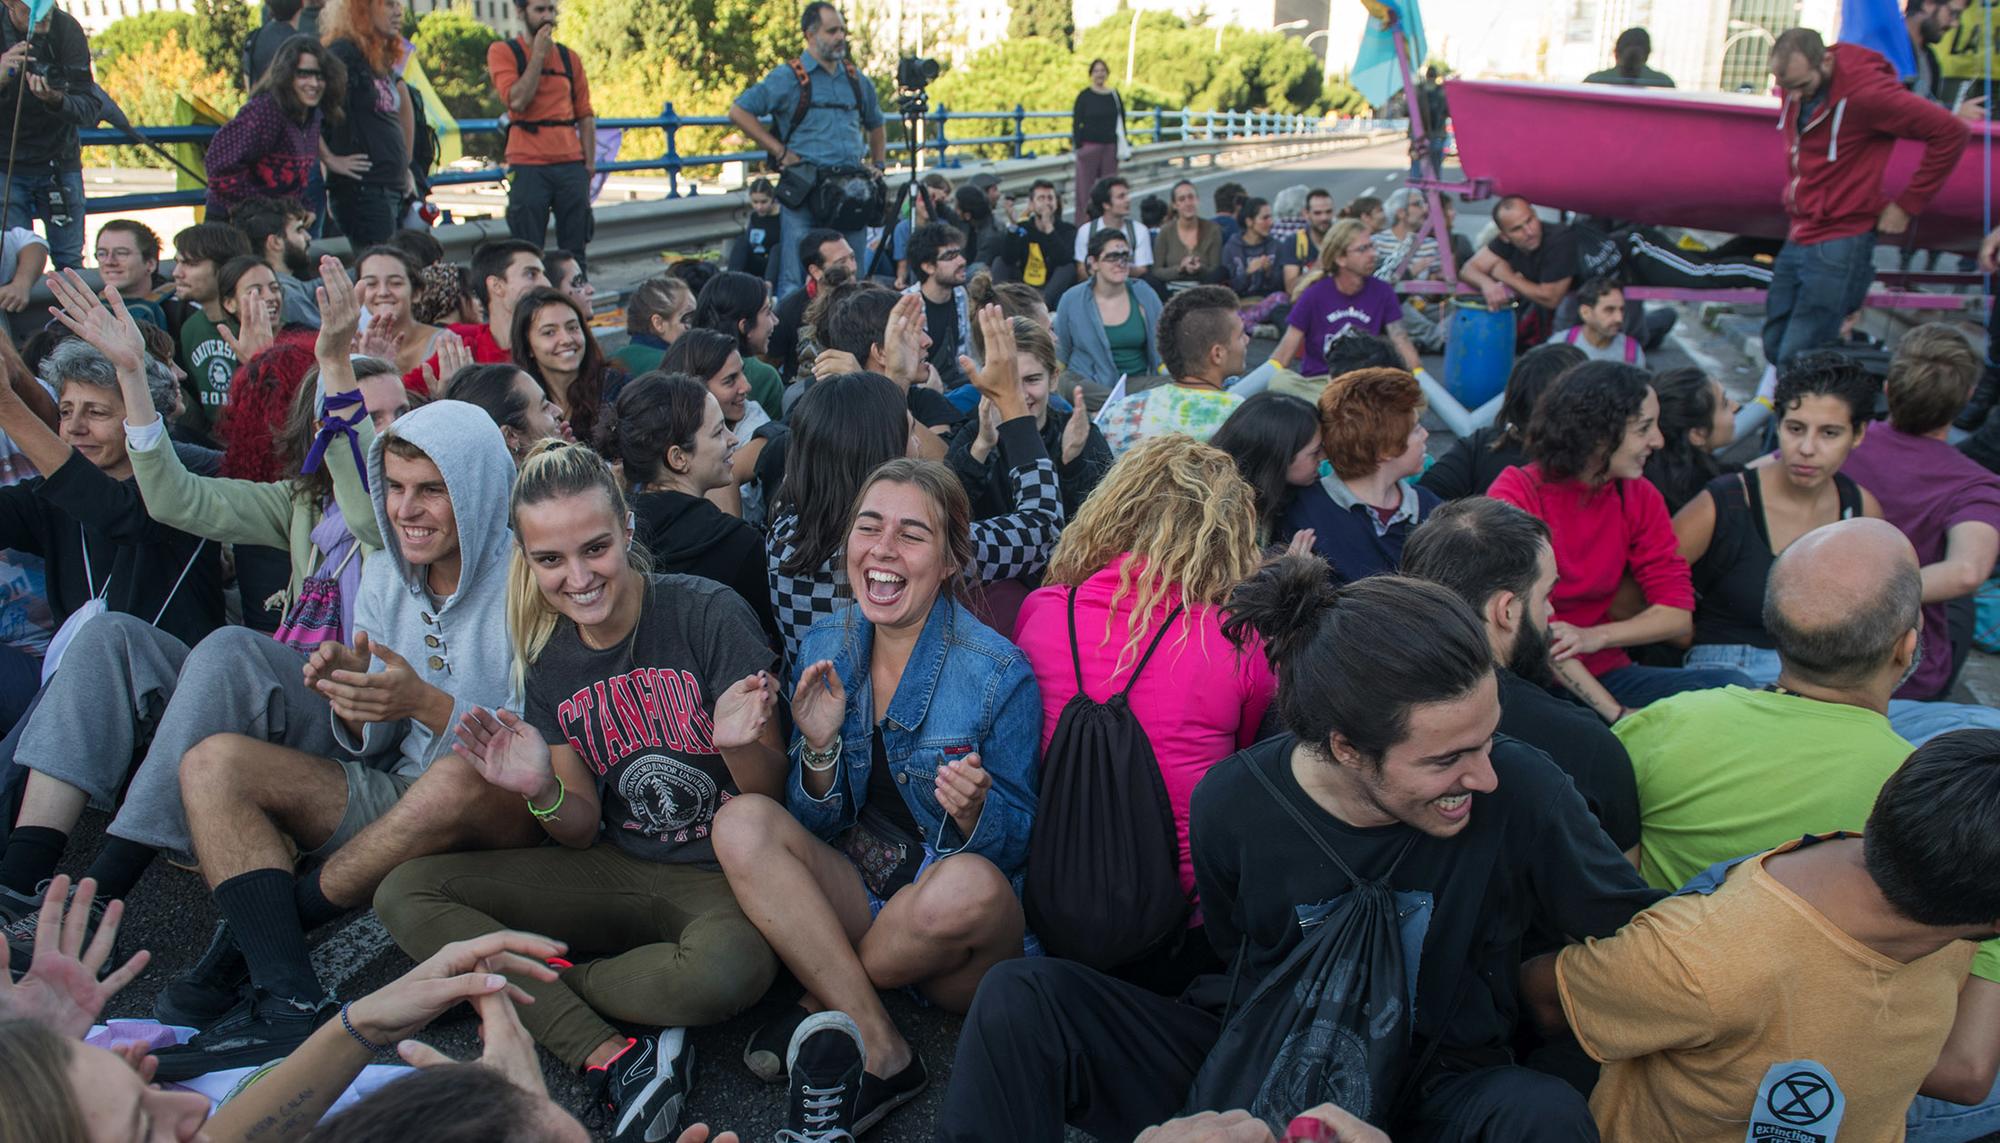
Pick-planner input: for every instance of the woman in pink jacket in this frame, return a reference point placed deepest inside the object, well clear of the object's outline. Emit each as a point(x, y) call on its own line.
point(1199, 699)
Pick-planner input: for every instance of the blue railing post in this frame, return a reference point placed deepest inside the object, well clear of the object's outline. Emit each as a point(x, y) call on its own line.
point(672, 155)
point(1020, 132)
point(940, 139)
point(1159, 125)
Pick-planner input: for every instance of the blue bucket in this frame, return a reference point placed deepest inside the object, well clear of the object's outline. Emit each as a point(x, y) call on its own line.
point(1479, 353)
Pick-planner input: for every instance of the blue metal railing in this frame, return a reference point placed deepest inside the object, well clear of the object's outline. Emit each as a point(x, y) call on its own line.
point(1155, 126)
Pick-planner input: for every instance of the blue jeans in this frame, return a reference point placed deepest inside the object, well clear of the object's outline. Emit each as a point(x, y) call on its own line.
point(1935, 1121)
point(793, 227)
point(1813, 289)
point(1916, 722)
point(1636, 686)
point(26, 203)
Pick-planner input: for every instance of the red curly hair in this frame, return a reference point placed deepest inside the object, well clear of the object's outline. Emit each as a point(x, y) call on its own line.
point(355, 20)
point(260, 398)
point(1366, 417)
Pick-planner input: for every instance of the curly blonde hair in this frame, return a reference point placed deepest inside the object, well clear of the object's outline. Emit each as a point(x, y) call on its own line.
point(1184, 514)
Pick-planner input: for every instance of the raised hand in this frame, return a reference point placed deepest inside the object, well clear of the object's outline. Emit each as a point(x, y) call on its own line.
point(1076, 430)
point(834, 362)
point(1302, 542)
point(339, 313)
point(988, 434)
point(462, 970)
point(744, 710)
point(452, 356)
point(379, 340)
point(507, 752)
point(254, 334)
point(61, 990)
point(902, 341)
point(819, 706)
point(105, 324)
point(1000, 378)
point(961, 790)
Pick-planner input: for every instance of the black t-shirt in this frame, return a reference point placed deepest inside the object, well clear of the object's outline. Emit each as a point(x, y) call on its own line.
point(1552, 261)
point(1471, 465)
point(640, 714)
point(1578, 742)
point(1530, 857)
point(373, 126)
point(941, 322)
point(760, 240)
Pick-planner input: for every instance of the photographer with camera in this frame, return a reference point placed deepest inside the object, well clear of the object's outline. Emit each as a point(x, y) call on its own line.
point(826, 139)
point(46, 93)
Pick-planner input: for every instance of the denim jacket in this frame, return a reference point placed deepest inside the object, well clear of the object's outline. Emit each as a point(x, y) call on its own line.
point(965, 689)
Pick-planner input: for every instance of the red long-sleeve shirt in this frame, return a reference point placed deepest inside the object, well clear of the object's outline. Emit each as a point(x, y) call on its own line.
point(1600, 536)
point(1837, 162)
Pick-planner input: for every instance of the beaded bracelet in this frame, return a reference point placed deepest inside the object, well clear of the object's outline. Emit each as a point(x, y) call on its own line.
point(818, 761)
point(360, 1039)
point(562, 792)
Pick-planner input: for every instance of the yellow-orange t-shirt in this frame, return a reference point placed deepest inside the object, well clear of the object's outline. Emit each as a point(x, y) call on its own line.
point(1701, 999)
point(556, 99)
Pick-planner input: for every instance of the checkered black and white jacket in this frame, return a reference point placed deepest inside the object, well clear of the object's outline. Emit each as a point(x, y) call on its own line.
point(1003, 547)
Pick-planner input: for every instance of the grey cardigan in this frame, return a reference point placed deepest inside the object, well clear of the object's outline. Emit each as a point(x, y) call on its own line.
point(1081, 338)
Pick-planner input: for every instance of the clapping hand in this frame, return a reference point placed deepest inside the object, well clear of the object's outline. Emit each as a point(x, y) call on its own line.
point(744, 710)
point(999, 380)
point(507, 752)
point(379, 340)
point(1076, 430)
point(452, 355)
point(961, 790)
point(254, 334)
point(358, 694)
point(902, 341)
point(819, 705)
point(988, 434)
point(60, 990)
point(339, 312)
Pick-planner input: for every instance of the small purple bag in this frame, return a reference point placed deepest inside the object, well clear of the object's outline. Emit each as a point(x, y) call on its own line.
point(314, 617)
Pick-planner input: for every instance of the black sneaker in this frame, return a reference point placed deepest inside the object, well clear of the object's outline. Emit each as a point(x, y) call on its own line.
point(880, 1096)
point(646, 1086)
point(825, 1063)
point(764, 1055)
point(204, 993)
point(21, 915)
point(261, 1028)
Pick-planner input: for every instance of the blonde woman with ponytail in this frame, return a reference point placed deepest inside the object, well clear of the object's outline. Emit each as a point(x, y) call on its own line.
point(648, 704)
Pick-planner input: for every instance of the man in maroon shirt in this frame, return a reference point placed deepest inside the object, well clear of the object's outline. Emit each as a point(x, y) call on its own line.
point(1844, 110)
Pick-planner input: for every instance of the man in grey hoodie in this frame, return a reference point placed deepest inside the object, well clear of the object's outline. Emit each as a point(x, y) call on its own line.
point(431, 643)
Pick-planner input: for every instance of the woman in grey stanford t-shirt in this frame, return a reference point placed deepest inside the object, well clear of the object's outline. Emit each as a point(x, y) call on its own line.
point(645, 711)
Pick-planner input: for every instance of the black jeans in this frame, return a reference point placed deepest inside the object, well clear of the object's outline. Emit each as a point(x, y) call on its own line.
point(366, 212)
point(1050, 1042)
point(533, 191)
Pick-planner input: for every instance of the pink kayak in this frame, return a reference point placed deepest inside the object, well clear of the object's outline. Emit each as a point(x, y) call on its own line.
point(1672, 158)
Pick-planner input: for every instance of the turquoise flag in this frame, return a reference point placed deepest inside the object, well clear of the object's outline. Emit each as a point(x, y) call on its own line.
point(1878, 24)
point(1376, 75)
point(38, 10)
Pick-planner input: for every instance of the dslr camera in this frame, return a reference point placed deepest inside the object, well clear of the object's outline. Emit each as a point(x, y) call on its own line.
point(42, 62)
point(914, 73)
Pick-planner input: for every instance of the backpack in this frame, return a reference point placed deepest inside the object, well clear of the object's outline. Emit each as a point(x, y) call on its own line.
point(1330, 1024)
point(1103, 880)
point(568, 72)
point(1571, 335)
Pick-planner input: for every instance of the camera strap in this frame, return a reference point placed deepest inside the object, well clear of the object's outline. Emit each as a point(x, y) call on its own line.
point(805, 100)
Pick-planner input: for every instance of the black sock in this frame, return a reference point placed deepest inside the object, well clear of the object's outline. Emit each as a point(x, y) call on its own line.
point(119, 866)
point(314, 909)
point(258, 906)
point(33, 852)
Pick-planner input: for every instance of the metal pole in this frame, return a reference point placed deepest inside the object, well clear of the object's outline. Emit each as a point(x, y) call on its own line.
point(1131, 46)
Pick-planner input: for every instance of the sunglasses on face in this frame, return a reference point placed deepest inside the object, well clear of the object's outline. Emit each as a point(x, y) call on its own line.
point(309, 73)
point(1120, 256)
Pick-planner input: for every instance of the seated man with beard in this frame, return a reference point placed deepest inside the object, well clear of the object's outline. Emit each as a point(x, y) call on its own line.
point(1498, 558)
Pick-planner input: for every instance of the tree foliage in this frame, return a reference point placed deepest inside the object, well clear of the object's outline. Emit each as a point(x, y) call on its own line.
point(135, 33)
point(145, 83)
point(1052, 20)
point(220, 29)
point(1177, 65)
point(452, 44)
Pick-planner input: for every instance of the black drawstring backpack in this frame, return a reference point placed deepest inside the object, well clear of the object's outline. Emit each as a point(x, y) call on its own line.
point(1103, 883)
point(1330, 1024)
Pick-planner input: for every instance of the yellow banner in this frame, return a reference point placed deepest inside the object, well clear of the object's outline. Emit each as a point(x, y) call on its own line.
point(1967, 53)
point(191, 111)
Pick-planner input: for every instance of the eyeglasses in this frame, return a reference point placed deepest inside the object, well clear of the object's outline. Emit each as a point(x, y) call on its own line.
point(950, 255)
point(1115, 256)
point(309, 73)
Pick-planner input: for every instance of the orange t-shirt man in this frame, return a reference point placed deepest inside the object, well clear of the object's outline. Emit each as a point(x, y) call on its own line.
point(545, 133)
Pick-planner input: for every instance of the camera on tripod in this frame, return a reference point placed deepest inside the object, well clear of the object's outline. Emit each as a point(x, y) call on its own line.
point(914, 73)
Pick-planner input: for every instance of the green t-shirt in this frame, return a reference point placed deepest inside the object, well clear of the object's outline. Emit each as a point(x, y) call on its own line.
point(1128, 341)
point(208, 361)
point(637, 359)
point(1729, 772)
point(766, 387)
